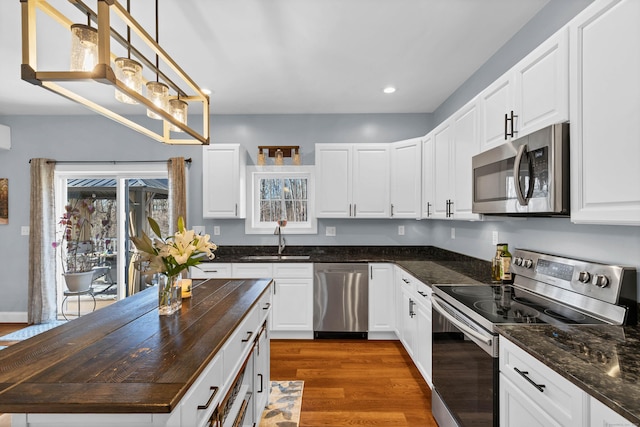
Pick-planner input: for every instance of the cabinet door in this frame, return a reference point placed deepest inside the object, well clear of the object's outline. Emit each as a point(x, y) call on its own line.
point(605, 106)
point(542, 85)
point(381, 298)
point(371, 180)
point(428, 177)
point(261, 372)
point(292, 305)
point(496, 101)
point(464, 146)
point(333, 180)
point(602, 416)
point(409, 321)
point(406, 178)
point(442, 171)
point(518, 410)
point(223, 181)
point(423, 339)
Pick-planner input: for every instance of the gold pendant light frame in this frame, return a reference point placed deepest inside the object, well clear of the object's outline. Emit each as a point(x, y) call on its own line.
point(103, 72)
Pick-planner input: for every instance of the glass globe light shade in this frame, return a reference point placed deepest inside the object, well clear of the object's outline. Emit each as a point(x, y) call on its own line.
point(178, 109)
point(84, 47)
point(158, 93)
point(128, 72)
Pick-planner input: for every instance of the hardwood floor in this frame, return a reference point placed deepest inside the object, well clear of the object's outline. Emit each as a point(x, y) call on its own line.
point(354, 383)
point(7, 328)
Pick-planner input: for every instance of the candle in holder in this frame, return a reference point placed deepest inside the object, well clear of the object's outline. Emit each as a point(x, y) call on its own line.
point(186, 288)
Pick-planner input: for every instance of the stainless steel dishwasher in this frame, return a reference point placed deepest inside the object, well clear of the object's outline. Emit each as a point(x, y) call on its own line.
point(340, 300)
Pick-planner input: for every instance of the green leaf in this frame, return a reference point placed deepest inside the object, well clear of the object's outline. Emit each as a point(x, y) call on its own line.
point(155, 227)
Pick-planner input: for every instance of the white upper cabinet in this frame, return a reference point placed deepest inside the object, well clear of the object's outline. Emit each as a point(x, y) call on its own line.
point(428, 177)
point(530, 96)
point(333, 180)
point(406, 178)
point(352, 180)
point(455, 142)
point(605, 106)
point(223, 181)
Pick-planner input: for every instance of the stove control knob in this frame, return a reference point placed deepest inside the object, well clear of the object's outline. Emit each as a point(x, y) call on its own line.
point(527, 263)
point(517, 260)
point(584, 277)
point(600, 281)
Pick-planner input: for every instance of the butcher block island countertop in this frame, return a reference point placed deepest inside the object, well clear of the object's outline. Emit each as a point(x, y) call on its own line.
point(125, 358)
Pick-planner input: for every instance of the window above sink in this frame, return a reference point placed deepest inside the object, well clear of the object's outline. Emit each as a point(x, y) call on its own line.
point(281, 192)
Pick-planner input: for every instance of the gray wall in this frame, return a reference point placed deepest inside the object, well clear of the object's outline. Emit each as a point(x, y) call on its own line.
point(549, 20)
point(92, 137)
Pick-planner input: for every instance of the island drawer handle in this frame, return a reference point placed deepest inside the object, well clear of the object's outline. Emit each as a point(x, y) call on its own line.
point(249, 335)
point(261, 376)
point(215, 391)
point(267, 306)
point(525, 375)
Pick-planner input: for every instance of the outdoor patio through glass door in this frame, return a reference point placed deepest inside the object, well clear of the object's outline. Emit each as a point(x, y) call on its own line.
point(114, 205)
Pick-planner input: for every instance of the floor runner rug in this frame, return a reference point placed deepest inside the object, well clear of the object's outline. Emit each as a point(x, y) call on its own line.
point(31, 331)
point(285, 401)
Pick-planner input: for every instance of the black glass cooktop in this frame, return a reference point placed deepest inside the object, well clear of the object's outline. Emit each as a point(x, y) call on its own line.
point(507, 304)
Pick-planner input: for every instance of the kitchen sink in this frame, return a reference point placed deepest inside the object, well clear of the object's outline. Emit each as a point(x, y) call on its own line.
point(275, 257)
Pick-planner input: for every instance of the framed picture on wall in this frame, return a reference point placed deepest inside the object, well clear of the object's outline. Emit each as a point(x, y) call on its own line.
point(4, 201)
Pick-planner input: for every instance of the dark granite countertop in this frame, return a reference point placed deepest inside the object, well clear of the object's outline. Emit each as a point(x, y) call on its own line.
point(603, 360)
point(429, 264)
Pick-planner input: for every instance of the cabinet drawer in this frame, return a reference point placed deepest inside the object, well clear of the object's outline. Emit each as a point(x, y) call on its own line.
point(203, 397)
point(264, 304)
point(252, 271)
point(211, 270)
point(423, 294)
point(407, 281)
point(240, 342)
point(294, 270)
point(561, 400)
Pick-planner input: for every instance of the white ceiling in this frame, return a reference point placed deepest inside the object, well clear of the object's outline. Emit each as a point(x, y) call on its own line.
point(297, 56)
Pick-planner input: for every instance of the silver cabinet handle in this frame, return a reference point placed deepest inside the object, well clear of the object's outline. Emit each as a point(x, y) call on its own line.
point(391, 209)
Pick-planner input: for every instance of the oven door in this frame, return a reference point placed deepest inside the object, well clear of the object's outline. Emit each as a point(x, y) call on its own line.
point(465, 370)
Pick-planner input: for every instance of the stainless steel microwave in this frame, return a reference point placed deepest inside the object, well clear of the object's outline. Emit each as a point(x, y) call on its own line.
point(526, 176)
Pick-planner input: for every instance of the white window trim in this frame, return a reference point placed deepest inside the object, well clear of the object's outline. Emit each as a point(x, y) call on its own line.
point(254, 174)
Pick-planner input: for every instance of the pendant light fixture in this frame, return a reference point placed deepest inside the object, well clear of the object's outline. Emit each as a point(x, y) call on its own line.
point(84, 47)
point(128, 71)
point(157, 92)
point(178, 109)
point(112, 68)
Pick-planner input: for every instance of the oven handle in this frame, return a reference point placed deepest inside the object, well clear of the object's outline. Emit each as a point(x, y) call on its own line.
point(464, 328)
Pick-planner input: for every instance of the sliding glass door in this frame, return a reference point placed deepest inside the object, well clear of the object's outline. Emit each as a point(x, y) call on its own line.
point(116, 200)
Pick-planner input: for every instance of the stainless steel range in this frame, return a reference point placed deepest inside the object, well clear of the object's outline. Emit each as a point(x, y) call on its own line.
point(547, 289)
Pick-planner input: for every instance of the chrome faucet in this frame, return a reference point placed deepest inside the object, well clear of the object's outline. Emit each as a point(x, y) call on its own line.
point(281, 241)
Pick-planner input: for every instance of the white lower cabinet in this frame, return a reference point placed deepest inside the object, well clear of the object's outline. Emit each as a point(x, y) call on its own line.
point(532, 394)
point(602, 416)
point(292, 301)
point(413, 320)
point(381, 301)
point(424, 329)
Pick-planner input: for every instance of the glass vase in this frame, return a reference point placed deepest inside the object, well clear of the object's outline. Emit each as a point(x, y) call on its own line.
point(169, 295)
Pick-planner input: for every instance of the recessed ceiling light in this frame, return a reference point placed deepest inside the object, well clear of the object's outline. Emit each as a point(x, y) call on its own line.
point(389, 89)
point(206, 91)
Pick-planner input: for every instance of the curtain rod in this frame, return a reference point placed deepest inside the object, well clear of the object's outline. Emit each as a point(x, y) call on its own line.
point(109, 161)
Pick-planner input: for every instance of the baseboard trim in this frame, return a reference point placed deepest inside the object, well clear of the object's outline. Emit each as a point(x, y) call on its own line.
point(13, 317)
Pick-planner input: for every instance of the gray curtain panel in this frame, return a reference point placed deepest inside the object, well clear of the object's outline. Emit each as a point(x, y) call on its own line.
point(177, 192)
point(42, 306)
